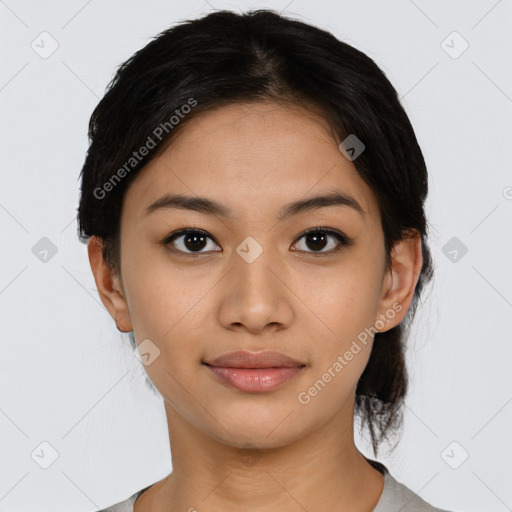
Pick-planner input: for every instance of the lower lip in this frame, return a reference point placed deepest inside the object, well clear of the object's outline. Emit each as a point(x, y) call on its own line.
point(255, 380)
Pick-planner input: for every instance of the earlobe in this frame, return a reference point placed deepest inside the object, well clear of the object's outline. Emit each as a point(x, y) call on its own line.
point(400, 281)
point(108, 285)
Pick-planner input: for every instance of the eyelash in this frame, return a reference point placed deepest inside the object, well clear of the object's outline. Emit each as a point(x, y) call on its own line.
point(343, 240)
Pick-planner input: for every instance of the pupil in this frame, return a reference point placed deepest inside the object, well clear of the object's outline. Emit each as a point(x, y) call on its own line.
point(194, 245)
point(316, 238)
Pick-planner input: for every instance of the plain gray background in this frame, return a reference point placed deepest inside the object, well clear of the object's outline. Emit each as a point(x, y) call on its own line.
point(72, 395)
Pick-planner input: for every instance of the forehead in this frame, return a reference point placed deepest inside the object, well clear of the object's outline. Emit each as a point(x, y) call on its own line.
point(251, 157)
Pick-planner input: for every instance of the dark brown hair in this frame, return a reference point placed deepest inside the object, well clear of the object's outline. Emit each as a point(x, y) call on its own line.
point(227, 57)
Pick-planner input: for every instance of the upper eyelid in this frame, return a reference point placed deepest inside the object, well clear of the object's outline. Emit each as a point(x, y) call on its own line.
point(180, 232)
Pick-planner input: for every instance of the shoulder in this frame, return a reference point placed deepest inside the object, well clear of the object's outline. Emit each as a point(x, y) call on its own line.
point(126, 505)
point(396, 494)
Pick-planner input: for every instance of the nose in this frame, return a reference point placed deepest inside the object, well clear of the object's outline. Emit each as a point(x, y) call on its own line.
point(255, 296)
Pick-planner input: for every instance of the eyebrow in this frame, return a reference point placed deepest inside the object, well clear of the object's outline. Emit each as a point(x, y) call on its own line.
point(211, 207)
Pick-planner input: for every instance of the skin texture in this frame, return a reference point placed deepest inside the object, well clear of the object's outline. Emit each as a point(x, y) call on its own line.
point(265, 451)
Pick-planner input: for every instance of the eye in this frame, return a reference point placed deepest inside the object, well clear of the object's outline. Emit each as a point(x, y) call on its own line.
point(195, 241)
point(318, 239)
point(190, 241)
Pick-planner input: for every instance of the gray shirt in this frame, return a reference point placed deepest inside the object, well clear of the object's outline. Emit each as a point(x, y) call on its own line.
point(395, 497)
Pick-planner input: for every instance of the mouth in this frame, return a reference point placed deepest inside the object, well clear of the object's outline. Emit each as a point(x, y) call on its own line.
point(246, 359)
point(254, 372)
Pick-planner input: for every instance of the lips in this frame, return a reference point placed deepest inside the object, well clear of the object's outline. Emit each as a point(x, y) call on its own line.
point(251, 372)
point(245, 359)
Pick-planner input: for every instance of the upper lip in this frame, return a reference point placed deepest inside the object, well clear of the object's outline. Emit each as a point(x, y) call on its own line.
point(246, 359)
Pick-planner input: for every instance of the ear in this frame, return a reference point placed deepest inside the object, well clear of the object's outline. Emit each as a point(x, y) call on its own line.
point(400, 280)
point(109, 286)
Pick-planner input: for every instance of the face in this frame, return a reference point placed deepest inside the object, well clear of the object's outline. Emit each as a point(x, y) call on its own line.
point(253, 278)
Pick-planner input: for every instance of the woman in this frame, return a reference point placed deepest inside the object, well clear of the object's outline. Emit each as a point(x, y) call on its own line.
point(253, 197)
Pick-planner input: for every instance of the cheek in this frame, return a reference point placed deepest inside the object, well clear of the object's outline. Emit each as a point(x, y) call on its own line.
point(168, 308)
point(341, 303)
point(161, 293)
point(342, 343)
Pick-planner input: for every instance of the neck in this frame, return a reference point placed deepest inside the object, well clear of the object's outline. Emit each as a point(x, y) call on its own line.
point(321, 469)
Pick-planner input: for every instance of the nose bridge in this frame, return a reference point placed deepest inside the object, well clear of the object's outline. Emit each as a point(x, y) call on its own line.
point(254, 296)
point(254, 275)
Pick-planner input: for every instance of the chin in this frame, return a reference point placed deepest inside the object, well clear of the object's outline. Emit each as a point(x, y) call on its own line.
point(258, 431)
